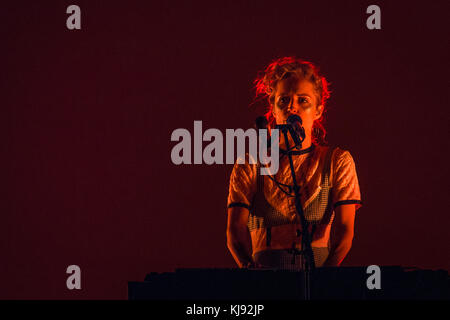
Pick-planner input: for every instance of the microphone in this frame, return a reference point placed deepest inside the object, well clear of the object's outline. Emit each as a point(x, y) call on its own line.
point(296, 129)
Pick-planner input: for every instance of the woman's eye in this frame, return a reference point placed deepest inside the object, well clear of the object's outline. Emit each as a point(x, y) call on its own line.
point(284, 100)
point(303, 100)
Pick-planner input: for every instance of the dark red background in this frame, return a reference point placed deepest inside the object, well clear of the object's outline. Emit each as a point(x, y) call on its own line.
point(87, 117)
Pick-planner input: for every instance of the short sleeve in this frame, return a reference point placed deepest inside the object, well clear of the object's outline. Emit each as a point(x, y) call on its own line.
point(345, 181)
point(242, 185)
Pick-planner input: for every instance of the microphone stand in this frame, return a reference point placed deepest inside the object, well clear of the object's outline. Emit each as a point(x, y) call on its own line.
point(307, 254)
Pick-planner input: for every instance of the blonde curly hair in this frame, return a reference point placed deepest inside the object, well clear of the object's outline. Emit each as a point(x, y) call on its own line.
point(287, 67)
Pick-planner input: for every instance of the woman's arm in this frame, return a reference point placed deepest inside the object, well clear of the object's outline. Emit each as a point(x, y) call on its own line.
point(341, 234)
point(238, 236)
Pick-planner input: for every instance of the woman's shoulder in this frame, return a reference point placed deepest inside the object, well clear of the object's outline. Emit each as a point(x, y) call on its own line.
point(247, 160)
point(245, 165)
point(335, 153)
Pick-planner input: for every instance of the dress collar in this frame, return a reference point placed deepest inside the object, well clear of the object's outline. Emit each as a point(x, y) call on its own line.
point(299, 152)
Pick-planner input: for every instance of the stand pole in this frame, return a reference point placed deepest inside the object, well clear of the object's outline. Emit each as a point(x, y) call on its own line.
point(307, 254)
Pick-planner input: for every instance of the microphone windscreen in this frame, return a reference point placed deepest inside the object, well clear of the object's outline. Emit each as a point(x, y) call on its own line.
point(296, 123)
point(294, 119)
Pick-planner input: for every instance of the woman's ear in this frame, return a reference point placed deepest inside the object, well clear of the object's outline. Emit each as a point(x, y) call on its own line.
point(319, 111)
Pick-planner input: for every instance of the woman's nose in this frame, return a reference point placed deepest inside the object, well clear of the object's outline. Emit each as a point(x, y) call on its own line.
point(290, 107)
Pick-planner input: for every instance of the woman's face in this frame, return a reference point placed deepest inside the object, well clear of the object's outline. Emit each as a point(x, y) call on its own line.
point(293, 96)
